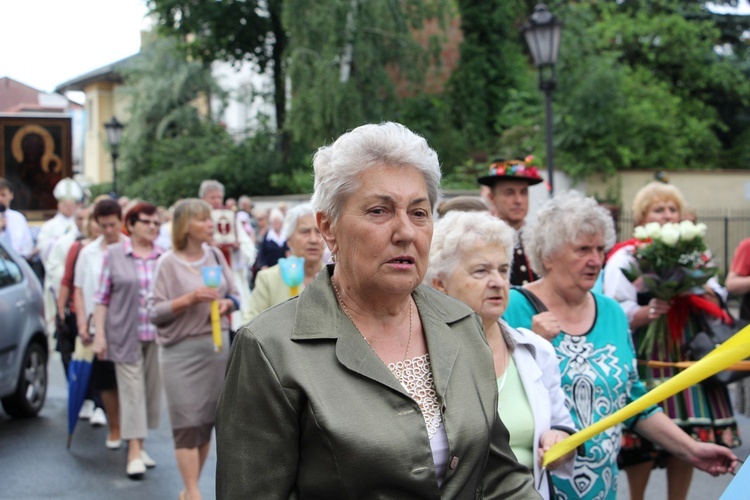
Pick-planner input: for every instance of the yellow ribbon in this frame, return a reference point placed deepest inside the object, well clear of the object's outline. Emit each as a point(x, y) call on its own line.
point(216, 325)
point(733, 350)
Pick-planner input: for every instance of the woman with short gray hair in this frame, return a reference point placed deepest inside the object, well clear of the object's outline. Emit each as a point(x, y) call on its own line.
point(564, 219)
point(273, 246)
point(368, 384)
point(470, 260)
point(338, 167)
point(304, 241)
point(591, 336)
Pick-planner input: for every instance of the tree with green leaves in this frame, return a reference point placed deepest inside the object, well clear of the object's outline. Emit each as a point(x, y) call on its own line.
point(351, 62)
point(162, 89)
point(492, 66)
point(172, 141)
point(232, 31)
point(642, 84)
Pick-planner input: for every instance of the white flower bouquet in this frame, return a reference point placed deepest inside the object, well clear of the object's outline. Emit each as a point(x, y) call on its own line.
point(671, 260)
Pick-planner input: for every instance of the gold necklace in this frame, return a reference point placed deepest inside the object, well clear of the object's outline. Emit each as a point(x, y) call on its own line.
point(346, 311)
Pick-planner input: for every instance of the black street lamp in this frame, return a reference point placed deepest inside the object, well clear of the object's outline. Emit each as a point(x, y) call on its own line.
point(542, 32)
point(114, 136)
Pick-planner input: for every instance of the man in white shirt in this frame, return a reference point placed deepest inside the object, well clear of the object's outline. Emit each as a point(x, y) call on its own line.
point(241, 254)
point(68, 194)
point(108, 215)
point(14, 228)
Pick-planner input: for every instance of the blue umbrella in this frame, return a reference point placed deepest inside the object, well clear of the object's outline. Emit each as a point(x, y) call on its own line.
point(79, 374)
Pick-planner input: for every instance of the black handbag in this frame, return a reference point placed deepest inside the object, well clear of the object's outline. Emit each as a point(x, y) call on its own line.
point(712, 334)
point(66, 331)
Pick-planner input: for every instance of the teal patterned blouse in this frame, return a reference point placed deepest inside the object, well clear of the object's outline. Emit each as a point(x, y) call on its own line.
point(599, 376)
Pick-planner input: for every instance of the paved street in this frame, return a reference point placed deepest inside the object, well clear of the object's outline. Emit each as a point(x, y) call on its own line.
point(704, 486)
point(34, 463)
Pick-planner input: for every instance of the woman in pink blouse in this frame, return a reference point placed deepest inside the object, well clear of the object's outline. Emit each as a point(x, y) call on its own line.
point(125, 335)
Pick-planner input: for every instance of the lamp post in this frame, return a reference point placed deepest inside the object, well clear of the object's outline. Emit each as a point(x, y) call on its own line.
point(542, 32)
point(114, 136)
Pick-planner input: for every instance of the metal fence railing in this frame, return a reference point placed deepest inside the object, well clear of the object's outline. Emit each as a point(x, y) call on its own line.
point(726, 228)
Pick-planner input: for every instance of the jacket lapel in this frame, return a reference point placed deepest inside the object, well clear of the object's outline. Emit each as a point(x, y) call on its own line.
point(441, 342)
point(319, 317)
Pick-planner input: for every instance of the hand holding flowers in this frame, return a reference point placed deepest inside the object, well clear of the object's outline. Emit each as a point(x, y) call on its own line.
point(671, 262)
point(671, 259)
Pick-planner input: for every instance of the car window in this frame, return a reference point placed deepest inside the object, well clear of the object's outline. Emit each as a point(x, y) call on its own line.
point(10, 273)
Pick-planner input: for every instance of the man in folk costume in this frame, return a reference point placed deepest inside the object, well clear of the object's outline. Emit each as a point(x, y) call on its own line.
point(509, 182)
point(68, 194)
point(240, 253)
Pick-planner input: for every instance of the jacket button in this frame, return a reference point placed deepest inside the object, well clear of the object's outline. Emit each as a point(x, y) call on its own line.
point(454, 462)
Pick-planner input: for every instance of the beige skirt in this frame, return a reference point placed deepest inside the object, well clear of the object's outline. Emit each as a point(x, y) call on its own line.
point(193, 375)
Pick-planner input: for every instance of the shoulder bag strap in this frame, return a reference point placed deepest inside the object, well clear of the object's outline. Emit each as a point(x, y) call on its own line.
point(536, 303)
point(216, 257)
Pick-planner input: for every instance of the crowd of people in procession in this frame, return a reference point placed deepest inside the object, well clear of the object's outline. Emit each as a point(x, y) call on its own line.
point(432, 348)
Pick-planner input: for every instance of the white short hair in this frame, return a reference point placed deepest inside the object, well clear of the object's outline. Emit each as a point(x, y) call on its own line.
point(338, 166)
point(275, 214)
point(562, 220)
point(210, 185)
point(293, 215)
point(457, 233)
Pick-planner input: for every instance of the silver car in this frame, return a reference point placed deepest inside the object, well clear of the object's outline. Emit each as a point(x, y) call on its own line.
point(23, 344)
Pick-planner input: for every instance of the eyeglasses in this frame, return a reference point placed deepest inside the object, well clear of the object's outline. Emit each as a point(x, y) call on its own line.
point(154, 223)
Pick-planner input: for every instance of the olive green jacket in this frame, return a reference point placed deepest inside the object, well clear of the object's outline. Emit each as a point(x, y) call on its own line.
point(308, 409)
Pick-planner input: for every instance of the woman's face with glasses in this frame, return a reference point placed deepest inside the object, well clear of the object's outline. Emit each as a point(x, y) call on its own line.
point(146, 227)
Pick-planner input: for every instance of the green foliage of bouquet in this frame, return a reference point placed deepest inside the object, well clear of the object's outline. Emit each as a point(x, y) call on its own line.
point(670, 260)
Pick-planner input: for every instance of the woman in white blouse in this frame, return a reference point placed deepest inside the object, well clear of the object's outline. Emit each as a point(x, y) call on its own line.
point(470, 260)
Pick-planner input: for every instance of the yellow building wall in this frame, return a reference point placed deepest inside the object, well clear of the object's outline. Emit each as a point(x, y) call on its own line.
point(102, 104)
point(703, 190)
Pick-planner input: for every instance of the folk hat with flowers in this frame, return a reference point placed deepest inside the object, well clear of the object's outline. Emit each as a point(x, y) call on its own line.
point(513, 170)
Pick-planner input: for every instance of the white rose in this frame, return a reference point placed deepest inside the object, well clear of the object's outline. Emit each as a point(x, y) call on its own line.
point(670, 234)
point(653, 230)
point(688, 230)
point(640, 233)
point(701, 227)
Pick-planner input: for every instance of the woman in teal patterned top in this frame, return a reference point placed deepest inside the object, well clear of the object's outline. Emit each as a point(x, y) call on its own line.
point(590, 335)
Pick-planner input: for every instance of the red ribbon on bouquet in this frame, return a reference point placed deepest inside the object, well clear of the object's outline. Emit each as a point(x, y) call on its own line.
point(680, 308)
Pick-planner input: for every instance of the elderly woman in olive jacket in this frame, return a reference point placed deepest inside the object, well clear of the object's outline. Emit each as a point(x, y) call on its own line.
point(368, 384)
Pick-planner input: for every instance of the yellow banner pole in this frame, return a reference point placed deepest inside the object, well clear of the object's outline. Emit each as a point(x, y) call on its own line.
point(732, 351)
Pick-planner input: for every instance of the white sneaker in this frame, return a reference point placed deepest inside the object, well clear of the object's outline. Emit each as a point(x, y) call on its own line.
point(113, 444)
point(98, 418)
point(147, 460)
point(136, 468)
point(87, 409)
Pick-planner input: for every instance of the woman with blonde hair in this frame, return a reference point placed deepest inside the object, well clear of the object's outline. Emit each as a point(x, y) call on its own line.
point(180, 307)
point(705, 413)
